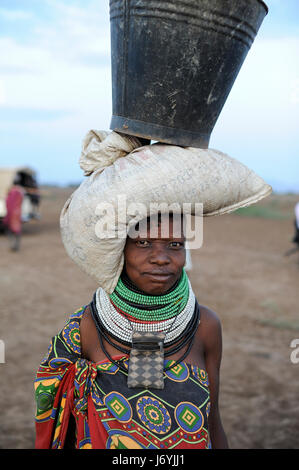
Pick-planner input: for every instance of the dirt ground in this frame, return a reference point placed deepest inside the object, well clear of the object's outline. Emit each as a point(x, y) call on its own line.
point(240, 272)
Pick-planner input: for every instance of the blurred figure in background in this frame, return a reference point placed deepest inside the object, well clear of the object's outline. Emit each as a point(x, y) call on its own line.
point(296, 236)
point(13, 218)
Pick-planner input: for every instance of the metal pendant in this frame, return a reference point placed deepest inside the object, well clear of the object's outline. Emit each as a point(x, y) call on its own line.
point(146, 364)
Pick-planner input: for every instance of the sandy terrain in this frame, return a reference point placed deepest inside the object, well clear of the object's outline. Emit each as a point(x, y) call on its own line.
point(240, 272)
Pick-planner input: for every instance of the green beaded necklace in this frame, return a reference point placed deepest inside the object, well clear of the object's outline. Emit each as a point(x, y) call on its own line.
point(144, 307)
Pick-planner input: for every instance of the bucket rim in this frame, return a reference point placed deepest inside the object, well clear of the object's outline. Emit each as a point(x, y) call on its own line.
point(264, 5)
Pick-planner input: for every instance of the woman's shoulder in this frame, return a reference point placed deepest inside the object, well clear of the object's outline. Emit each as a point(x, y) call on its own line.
point(89, 337)
point(78, 314)
point(209, 330)
point(70, 335)
point(209, 316)
point(65, 347)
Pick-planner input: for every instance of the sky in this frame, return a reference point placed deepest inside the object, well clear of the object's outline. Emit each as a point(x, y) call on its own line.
point(55, 85)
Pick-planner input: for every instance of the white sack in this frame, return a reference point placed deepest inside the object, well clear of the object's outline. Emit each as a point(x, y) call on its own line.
point(157, 173)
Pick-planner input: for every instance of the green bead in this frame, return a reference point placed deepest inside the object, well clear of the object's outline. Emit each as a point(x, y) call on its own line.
point(168, 305)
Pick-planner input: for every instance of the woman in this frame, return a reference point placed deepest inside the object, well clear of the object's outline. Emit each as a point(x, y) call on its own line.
point(92, 390)
point(13, 218)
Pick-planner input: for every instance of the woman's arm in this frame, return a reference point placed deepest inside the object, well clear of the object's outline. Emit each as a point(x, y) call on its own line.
point(212, 337)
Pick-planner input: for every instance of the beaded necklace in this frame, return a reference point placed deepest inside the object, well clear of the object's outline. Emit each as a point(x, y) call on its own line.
point(121, 322)
point(150, 308)
point(186, 338)
point(178, 325)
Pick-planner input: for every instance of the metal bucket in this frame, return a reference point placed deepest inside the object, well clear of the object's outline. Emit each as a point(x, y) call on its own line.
point(174, 63)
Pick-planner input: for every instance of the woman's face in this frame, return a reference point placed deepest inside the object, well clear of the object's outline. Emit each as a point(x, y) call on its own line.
point(155, 263)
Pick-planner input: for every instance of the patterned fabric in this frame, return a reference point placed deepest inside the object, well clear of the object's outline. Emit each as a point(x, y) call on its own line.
point(107, 413)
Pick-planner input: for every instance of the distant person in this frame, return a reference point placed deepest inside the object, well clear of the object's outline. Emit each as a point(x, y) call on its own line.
point(13, 218)
point(296, 236)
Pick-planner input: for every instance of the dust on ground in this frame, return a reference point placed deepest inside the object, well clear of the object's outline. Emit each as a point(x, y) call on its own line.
point(240, 272)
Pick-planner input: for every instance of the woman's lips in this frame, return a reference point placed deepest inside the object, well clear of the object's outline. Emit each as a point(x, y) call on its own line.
point(159, 276)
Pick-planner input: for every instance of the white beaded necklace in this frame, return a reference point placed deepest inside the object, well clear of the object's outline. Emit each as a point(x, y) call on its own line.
point(119, 326)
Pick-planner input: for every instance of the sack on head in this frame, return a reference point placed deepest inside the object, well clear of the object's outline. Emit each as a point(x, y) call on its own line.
point(123, 175)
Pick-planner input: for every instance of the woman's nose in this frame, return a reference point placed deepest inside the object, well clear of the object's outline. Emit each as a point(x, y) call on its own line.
point(159, 255)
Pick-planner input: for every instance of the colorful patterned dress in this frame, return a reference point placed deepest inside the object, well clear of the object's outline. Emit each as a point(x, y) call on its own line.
point(109, 415)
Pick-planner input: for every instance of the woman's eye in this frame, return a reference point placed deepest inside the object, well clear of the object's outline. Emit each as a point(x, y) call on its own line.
point(142, 243)
point(176, 244)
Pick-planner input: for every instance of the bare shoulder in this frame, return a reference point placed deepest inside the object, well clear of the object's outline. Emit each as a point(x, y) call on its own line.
point(86, 317)
point(209, 318)
point(210, 330)
point(88, 333)
point(86, 322)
